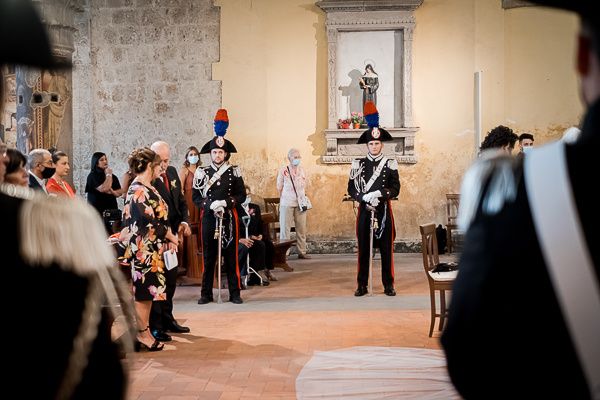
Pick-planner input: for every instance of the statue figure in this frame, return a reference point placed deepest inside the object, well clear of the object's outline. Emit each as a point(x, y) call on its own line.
point(369, 83)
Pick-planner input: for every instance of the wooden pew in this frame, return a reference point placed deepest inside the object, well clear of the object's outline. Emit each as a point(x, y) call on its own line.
point(281, 246)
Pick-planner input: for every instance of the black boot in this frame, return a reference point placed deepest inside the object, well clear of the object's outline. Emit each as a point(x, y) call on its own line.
point(361, 291)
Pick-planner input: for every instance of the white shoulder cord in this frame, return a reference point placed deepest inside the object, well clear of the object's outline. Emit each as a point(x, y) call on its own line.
point(566, 254)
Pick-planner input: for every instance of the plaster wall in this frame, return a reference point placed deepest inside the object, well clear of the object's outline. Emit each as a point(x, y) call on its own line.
point(150, 69)
point(274, 72)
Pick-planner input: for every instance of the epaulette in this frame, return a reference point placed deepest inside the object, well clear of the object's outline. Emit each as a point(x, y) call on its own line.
point(200, 178)
point(356, 163)
point(492, 181)
point(17, 191)
point(392, 164)
point(66, 232)
point(237, 171)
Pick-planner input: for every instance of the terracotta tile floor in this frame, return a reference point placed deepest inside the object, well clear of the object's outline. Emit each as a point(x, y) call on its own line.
point(256, 350)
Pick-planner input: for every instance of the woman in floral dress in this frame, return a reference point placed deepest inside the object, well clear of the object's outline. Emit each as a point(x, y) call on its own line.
point(147, 236)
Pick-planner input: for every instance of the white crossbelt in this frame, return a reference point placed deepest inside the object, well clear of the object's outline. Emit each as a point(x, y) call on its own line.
point(563, 245)
point(376, 174)
point(215, 178)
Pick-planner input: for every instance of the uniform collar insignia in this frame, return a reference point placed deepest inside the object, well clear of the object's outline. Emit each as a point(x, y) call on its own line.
point(375, 158)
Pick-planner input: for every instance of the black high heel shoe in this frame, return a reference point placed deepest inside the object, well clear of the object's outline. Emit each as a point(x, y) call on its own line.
point(139, 346)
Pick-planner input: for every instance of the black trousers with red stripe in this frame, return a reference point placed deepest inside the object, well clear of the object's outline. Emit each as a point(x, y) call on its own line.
point(210, 248)
point(385, 243)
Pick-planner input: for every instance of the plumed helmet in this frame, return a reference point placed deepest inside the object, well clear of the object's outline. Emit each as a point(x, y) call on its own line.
point(219, 142)
point(374, 132)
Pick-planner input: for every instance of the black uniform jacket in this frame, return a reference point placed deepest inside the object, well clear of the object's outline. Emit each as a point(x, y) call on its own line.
point(47, 314)
point(506, 336)
point(388, 181)
point(229, 187)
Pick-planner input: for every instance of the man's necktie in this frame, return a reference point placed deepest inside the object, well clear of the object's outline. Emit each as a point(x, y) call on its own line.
point(164, 178)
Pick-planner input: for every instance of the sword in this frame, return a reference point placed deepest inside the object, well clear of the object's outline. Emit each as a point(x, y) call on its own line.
point(219, 232)
point(373, 227)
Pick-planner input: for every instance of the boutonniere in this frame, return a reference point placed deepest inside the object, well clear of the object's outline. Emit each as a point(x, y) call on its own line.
point(173, 183)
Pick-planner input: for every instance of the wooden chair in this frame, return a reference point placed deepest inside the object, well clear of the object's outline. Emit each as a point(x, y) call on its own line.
point(441, 281)
point(452, 203)
point(272, 206)
point(194, 253)
point(281, 246)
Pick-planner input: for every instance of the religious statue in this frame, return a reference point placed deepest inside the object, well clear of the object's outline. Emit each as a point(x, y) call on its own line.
point(369, 83)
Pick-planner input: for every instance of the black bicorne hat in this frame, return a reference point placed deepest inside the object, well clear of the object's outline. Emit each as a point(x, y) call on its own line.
point(586, 8)
point(374, 133)
point(218, 142)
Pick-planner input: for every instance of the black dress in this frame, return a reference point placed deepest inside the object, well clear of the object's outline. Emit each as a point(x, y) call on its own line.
point(101, 201)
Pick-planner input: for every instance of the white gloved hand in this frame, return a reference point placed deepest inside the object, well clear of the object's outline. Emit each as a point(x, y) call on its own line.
point(374, 202)
point(371, 195)
point(218, 203)
point(219, 210)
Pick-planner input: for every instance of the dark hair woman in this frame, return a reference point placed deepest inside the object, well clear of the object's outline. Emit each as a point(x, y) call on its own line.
point(57, 184)
point(369, 83)
point(15, 168)
point(102, 186)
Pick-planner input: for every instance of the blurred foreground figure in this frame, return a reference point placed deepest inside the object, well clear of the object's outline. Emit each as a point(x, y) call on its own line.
point(511, 332)
point(56, 255)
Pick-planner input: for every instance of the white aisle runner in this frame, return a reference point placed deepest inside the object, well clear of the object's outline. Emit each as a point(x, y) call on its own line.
point(376, 373)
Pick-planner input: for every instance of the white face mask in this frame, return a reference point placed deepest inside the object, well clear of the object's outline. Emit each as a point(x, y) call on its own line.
point(527, 149)
point(296, 162)
point(193, 159)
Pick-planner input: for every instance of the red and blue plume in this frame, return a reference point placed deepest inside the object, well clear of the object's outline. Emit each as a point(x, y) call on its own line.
point(371, 114)
point(221, 122)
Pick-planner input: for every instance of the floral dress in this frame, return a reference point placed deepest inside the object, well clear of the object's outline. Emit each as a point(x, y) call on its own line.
point(144, 233)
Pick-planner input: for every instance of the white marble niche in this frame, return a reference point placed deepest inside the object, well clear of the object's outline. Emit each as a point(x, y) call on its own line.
point(379, 33)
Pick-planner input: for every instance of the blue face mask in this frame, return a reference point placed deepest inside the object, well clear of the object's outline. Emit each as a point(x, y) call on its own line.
point(296, 162)
point(527, 149)
point(193, 159)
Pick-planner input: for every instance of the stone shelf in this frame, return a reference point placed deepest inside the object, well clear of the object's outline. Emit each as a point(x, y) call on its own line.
point(342, 147)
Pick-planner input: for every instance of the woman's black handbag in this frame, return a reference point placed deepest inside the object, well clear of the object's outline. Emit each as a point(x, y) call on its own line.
point(112, 218)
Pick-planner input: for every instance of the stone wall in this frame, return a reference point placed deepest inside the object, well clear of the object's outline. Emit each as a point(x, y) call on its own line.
point(143, 71)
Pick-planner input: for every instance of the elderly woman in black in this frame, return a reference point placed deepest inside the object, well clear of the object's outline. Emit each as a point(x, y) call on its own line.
point(102, 186)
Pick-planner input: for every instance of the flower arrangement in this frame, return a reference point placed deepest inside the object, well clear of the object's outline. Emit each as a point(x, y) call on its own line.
point(344, 123)
point(356, 117)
